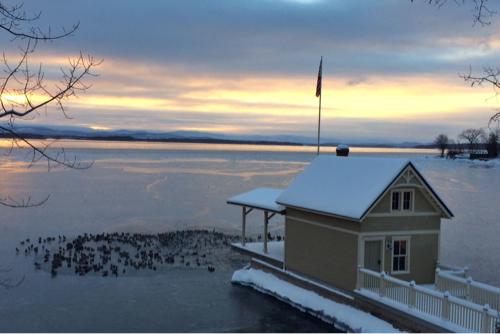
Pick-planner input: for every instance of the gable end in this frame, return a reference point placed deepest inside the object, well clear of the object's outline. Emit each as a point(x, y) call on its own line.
point(409, 179)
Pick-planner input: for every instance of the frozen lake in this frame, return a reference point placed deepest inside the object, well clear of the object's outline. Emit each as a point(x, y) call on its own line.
point(156, 188)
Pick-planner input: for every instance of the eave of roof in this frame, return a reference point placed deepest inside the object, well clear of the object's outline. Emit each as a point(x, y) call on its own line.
point(304, 193)
point(261, 198)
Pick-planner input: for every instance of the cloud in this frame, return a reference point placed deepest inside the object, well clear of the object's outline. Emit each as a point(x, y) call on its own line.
point(357, 81)
point(247, 66)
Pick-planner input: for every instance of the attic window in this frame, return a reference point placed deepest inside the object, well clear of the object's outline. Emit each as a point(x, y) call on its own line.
point(406, 200)
point(395, 201)
point(402, 200)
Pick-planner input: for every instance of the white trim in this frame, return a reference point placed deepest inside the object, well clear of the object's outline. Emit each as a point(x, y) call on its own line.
point(361, 250)
point(399, 233)
point(401, 192)
point(428, 191)
point(439, 246)
point(373, 237)
point(382, 249)
point(432, 200)
point(433, 195)
point(284, 245)
point(322, 225)
point(405, 214)
point(407, 238)
point(321, 213)
point(408, 185)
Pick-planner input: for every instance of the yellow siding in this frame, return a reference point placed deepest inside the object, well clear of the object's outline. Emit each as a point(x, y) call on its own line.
point(422, 204)
point(423, 257)
point(323, 219)
point(384, 206)
point(401, 223)
point(321, 253)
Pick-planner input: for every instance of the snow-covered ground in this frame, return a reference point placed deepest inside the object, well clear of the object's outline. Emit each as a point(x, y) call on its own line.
point(344, 317)
point(155, 190)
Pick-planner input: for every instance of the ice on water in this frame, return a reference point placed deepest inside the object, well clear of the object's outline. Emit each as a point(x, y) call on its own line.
point(161, 190)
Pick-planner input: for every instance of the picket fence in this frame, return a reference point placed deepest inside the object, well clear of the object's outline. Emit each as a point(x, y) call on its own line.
point(455, 281)
point(450, 306)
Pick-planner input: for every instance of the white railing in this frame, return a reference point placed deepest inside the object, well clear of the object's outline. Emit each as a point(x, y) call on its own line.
point(453, 270)
point(465, 288)
point(441, 305)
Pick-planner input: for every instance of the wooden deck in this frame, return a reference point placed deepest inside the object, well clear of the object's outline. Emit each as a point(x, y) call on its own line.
point(274, 255)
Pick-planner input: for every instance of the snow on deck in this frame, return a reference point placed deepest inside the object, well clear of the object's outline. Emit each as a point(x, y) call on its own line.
point(344, 317)
point(275, 249)
point(260, 198)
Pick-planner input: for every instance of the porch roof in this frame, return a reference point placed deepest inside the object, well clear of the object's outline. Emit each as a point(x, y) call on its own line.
point(261, 198)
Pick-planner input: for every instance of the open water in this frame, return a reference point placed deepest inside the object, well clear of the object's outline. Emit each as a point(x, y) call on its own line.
point(157, 188)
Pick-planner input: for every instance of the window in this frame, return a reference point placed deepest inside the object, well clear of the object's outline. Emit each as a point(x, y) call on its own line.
point(395, 201)
point(406, 200)
point(401, 255)
point(402, 200)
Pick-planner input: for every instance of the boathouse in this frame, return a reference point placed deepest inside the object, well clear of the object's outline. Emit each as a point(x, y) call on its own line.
point(341, 212)
point(366, 232)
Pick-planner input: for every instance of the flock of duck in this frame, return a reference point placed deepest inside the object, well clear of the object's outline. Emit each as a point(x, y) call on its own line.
point(113, 254)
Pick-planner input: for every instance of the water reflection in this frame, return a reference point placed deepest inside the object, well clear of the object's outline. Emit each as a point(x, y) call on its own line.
point(138, 187)
point(125, 145)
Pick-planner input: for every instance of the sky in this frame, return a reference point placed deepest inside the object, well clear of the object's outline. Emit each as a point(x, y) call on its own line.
point(390, 67)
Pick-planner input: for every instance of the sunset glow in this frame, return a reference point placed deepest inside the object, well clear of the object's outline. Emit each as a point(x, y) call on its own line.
point(254, 70)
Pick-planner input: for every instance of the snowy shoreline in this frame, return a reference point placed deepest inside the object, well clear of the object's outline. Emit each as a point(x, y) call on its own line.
point(343, 317)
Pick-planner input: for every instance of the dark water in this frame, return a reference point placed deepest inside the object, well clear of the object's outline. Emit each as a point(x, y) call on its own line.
point(156, 191)
point(178, 301)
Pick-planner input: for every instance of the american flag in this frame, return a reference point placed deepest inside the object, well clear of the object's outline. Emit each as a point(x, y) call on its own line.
point(318, 85)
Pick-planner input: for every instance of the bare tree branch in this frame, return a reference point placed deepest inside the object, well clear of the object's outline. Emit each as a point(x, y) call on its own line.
point(20, 82)
point(36, 154)
point(481, 9)
point(12, 19)
point(482, 12)
point(491, 77)
point(24, 92)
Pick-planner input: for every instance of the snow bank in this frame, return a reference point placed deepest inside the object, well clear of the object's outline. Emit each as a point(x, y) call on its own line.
point(343, 317)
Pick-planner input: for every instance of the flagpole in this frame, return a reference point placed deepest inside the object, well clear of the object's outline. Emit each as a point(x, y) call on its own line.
point(318, 94)
point(319, 118)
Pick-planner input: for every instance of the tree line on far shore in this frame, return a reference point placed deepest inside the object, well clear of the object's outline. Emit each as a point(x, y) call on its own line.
point(476, 142)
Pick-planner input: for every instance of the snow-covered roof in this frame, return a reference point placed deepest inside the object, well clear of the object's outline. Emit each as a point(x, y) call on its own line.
point(261, 198)
point(342, 186)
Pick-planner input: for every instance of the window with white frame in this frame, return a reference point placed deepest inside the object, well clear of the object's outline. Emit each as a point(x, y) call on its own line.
point(402, 200)
point(401, 255)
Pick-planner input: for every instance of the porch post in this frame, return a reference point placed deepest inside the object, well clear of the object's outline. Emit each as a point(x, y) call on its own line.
point(445, 311)
point(436, 278)
point(360, 279)
point(468, 294)
point(411, 295)
point(382, 284)
point(485, 319)
point(243, 221)
point(265, 230)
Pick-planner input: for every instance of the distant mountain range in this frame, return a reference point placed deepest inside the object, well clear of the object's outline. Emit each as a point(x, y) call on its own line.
point(75, 132)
